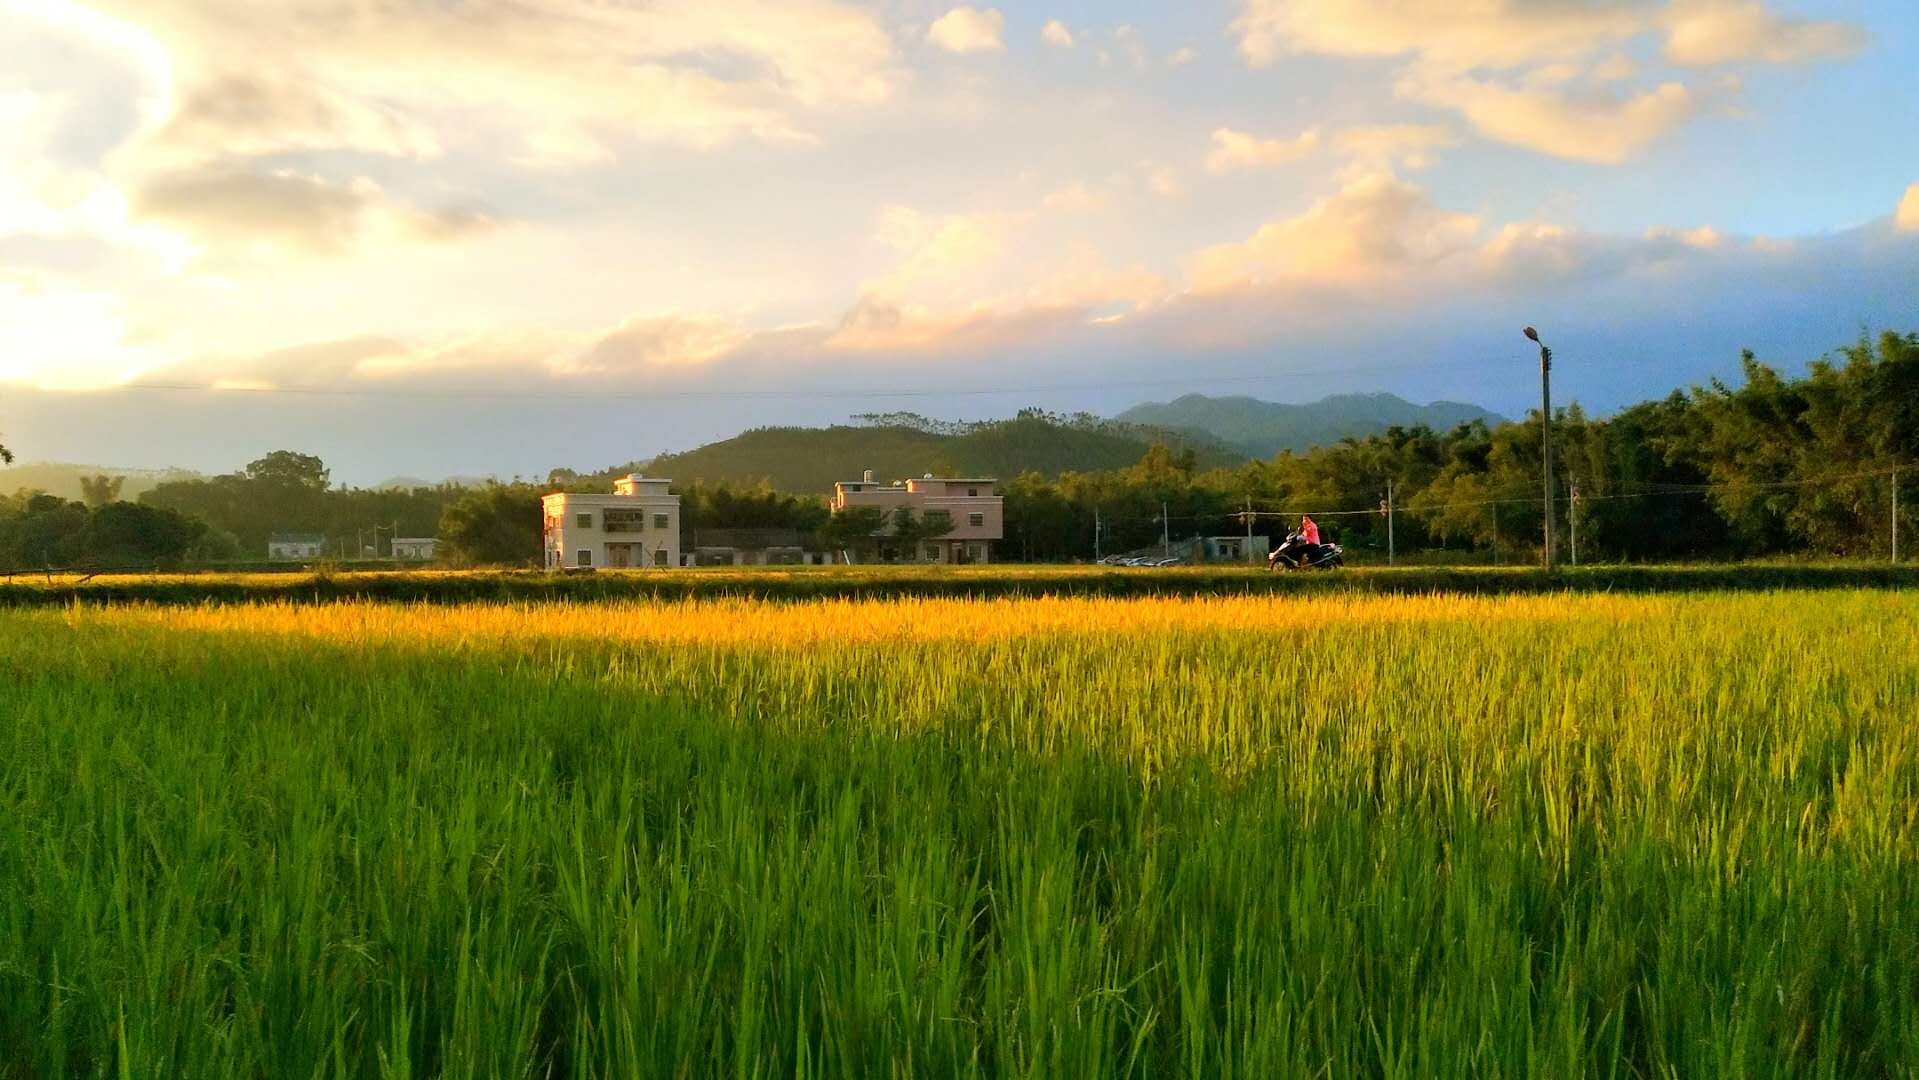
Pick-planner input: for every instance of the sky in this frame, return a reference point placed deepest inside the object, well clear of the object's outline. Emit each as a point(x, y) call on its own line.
point(464, 237)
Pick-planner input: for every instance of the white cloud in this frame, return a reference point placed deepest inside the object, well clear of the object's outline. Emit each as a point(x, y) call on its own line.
point(1055, 33)
point(411, 78)
point(1530, 72)
point(1374, 228)
point(1075, 198)
point(1165, 183)
point(1706, 32)
point(1236, 150)
point(1906, 219)
point(284, 212)
point(59, 336)
point(1131, 44)
point(1182, 56)
point(968, 29)
point(1598, 127)
point(1386, 147)
point(663, 340)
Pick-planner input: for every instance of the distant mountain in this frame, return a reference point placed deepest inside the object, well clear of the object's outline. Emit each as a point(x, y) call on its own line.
point(1264, 428)
point(63, 478)
point(812, 459)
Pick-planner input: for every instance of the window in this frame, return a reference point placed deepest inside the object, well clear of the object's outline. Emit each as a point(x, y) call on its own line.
point(662, 521)
point(623, 521)
point(584, 521)
point(659, 557)
point(586, 557)
point(977, 553)
point(974, 492)
point(976, 520)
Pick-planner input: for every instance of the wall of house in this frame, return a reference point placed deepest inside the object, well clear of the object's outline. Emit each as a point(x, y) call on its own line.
point(658, 532)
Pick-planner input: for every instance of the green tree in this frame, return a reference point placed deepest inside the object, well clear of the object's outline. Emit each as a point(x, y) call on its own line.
point(99, 490)
point(855, 529)
point(500, 525)
point(289, 469)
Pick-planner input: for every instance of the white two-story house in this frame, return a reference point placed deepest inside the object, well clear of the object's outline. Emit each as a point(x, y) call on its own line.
point(637, 525)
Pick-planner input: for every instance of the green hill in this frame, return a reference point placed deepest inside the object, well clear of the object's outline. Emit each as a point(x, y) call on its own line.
point(812, 459)
point(1264, 428)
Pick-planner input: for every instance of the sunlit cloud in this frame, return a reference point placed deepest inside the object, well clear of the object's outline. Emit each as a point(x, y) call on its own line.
point(968, 29)
point(1235, 150)
point(1906, 218)
point(1056, 34)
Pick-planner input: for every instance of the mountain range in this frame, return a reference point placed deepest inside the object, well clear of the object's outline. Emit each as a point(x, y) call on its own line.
point(1263, 428)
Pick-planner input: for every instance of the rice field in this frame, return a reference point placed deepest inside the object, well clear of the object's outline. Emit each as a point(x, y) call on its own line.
point(1327, 834)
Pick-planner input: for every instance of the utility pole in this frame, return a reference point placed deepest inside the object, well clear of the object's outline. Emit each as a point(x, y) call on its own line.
point(1546, 433)
point(1572, 518)
point(1249, 526)
point(1165, 531)
point(1495, 532)
point(1096, 556)
point(1392, 556)
point(1895, 515)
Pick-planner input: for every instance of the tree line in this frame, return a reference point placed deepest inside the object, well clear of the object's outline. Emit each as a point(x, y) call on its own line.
point(1774, 465)
point(1777, 464)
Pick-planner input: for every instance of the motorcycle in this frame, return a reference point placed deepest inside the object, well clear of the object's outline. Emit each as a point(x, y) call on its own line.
point(1295, 553)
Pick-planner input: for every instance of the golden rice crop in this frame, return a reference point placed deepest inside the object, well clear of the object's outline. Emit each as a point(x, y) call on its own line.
point(1326, 835)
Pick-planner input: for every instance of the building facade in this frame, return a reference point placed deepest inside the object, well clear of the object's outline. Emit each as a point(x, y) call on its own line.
point(295, 545)
point(636, 526)
point(978, 514)
point(414, 548)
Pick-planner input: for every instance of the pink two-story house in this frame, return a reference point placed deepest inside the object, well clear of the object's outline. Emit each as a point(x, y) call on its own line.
point(979, 515)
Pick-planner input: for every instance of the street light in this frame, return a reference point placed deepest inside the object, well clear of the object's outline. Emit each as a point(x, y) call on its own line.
point(1546, 432)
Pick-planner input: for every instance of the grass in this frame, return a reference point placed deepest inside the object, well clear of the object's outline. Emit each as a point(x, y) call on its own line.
point(1347, 833)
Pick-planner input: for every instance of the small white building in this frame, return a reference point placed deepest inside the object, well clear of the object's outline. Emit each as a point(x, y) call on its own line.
point(637, 525)
point(295, 545)
point(414, 548)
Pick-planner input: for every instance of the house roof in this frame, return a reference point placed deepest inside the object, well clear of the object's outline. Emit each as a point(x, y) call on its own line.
point(295, 538)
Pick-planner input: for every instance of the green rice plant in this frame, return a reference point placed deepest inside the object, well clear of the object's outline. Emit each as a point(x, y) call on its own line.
point(1252, 836)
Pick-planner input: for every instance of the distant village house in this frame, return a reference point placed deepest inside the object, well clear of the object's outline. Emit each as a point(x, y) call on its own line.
point(978, 515)
point(637, 525)
point(295, 545)
point(414, 548)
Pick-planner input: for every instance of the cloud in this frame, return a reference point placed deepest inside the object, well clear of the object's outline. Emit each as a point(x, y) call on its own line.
point(1385, 147)
point(566, 81)
point(1182, 56)
point(1709, 32)
point(1236, 150)
point(1165, 184)
point(1374, 228)
point(1056, 34)
point(1598, 127)
point(1906, 219)
point(669, 340)
point(1075, 198)
point(1496, 33)
point(968, 29)
point(60, 336)
point(1534, 73)
point(287, 212)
